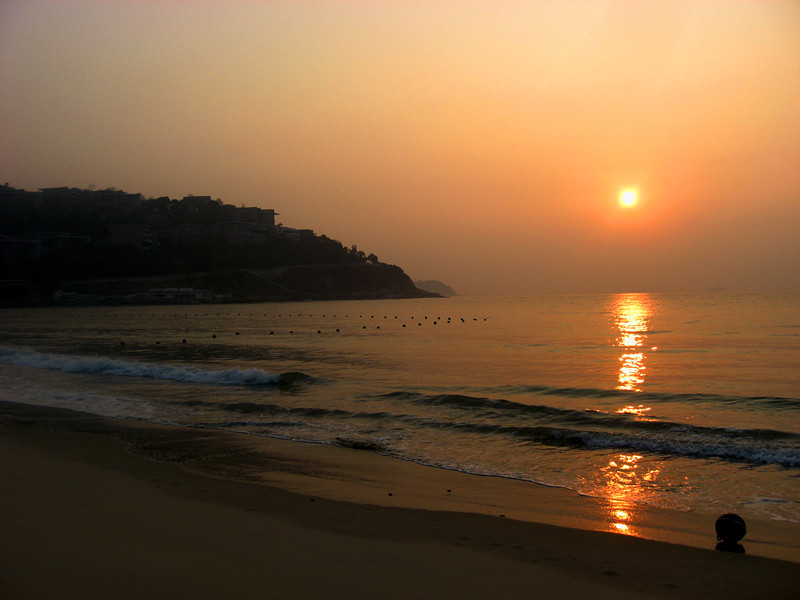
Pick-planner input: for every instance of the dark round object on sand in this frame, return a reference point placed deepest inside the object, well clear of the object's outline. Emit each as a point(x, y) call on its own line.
point(730, 528)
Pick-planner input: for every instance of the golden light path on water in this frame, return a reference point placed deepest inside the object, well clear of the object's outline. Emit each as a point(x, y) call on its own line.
point(625, 477)
point(631, 316)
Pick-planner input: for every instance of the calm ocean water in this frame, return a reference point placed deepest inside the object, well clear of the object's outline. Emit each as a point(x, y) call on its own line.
point(689, 402)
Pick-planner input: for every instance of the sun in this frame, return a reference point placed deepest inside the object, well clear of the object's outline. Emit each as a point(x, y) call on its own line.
point(628, 197)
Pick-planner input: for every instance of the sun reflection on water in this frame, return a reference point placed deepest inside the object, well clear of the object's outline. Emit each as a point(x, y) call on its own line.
point(632, 313)
point(625, 480)
point(640, 411)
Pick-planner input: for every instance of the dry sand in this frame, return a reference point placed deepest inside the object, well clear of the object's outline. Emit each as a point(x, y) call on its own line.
point(97, 508)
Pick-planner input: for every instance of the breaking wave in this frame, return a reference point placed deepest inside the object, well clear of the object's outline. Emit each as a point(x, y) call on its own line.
point(100, 365)
point(666, 438)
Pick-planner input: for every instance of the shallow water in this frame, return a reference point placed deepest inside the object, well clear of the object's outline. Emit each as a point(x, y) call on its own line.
point(689, 402)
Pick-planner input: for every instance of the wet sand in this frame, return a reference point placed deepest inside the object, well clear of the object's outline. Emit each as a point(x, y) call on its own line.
point(97, 508)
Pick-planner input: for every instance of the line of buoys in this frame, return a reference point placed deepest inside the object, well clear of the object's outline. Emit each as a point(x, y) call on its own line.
point(338, 330)
point(324, 315)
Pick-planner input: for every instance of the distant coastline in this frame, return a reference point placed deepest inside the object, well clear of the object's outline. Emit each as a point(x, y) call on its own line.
point(73, 246)
point(436, 287)
point(284, 284)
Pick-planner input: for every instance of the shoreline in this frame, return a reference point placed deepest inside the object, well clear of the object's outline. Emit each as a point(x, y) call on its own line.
point(333, 497)
point(113, 303)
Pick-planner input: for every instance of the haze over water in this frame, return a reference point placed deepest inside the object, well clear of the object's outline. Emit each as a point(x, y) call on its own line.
point(491, 145)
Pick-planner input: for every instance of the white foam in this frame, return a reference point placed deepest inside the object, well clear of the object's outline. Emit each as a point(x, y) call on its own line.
point(107, 366)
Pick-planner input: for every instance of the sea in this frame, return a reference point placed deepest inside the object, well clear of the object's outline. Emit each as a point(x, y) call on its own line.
point(680, 401)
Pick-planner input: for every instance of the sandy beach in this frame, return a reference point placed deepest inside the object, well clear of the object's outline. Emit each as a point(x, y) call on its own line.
point(97, 508)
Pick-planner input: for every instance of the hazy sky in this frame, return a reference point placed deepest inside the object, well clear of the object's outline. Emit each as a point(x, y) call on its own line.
point(484, 144)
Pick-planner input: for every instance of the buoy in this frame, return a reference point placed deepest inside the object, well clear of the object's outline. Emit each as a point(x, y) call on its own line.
point(730, 528)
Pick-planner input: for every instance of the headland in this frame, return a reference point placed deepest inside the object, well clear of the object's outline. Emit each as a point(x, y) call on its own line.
point(90, 247)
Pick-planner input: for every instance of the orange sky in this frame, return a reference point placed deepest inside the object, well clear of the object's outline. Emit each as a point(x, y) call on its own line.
point(484, 144)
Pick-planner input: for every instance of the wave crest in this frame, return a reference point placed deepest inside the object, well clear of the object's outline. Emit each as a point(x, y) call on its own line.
point(108, 366)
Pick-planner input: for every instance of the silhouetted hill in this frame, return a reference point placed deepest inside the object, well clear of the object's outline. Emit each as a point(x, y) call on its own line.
point(72, 245)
